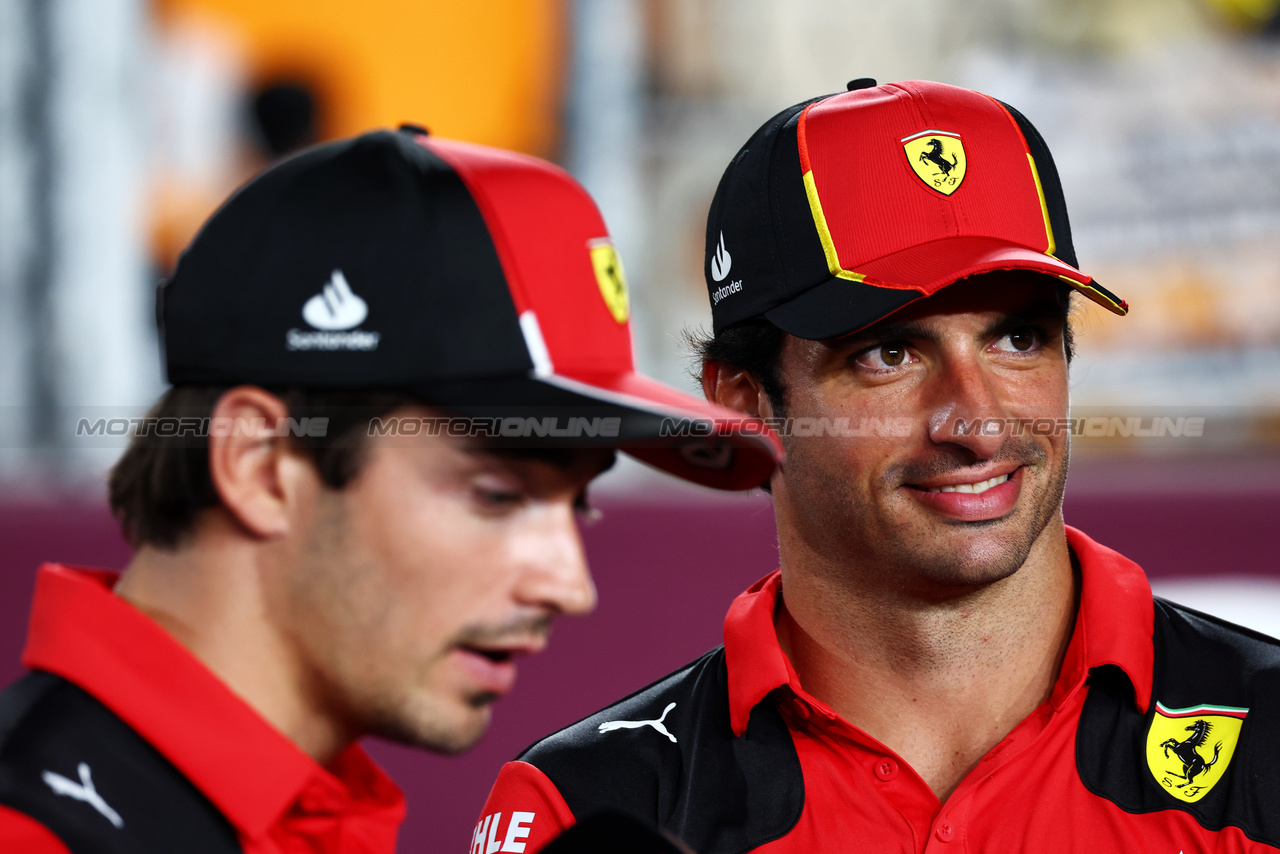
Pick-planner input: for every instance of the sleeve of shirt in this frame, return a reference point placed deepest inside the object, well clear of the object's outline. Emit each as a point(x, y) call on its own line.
point(20, 832)
point(523, 813)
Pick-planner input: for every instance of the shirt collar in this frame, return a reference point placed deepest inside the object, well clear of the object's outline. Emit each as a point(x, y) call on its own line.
point(251, 772)
point(1113, 626)
point(1115, 623)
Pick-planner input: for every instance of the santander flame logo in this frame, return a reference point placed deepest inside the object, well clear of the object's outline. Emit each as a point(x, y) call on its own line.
point(721, 261)
point(336, 306)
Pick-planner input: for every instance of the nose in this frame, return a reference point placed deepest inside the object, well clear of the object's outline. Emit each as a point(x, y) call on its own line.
point(556, 577)
point(967, 408)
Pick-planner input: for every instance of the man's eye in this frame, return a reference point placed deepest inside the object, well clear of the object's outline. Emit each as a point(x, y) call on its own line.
point(497, 499)
point(1021, 340)
point(885, 356)
point(893, 355)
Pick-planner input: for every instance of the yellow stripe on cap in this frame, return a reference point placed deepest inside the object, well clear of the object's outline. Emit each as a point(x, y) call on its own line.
point(824, 233)
point(1044, 207)
point(1099, 294)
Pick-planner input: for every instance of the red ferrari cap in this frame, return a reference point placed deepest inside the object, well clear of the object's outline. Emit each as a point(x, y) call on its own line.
point(843, 209)
point(482, 281)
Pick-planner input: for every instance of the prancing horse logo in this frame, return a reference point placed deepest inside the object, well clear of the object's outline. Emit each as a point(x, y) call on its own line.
point(933, 154)
point(938, 159)
point(1178, 747)
point(1193, 763)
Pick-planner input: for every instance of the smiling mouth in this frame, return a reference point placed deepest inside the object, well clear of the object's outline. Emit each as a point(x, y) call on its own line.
point(976, 488)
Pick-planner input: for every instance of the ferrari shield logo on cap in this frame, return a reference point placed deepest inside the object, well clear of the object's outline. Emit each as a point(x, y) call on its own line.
point(610, 278)
point(938, 159)
point(1188, 750)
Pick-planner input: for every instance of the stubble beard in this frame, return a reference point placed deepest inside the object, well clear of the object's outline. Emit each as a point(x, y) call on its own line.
point(426, 728)
point(417, 719)
point(922, 556)
point(325, 612)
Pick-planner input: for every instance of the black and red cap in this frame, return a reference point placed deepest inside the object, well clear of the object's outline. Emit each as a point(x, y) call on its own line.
point(474, 278)
point(845, 208)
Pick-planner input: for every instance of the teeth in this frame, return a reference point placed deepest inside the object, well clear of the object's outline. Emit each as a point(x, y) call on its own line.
point(975, 488)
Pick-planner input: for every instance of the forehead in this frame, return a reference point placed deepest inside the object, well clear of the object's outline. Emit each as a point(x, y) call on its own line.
point(458, 443)
point(572, 461)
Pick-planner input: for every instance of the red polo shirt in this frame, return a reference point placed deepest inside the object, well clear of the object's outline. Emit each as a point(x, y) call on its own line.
point(1024, 795)
point(279, 800)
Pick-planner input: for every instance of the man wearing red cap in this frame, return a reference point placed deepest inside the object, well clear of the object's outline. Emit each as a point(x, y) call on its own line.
point(940, 663)
point(397, 362)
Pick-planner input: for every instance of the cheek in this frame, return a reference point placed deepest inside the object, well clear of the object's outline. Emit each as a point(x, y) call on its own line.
point(427, 553)
point(848, 458)
point(1039, 394)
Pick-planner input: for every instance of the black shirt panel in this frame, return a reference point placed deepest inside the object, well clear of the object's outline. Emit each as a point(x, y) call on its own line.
point(54, 735)
point(1199, 659)
point(720, 793)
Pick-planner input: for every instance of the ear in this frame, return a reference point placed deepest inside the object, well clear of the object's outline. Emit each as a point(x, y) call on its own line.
point(735, 388)
point(257, 474)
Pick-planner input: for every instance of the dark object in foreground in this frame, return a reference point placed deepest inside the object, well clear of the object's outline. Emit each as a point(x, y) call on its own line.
point(612, 832)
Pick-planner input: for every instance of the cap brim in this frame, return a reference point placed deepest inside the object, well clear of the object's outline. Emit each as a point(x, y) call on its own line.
point(840, 306)
point(658, 425)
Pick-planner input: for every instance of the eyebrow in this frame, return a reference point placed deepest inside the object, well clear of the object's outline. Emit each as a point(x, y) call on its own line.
point(1039, 312)
point(883, 332)
point(1043, 312)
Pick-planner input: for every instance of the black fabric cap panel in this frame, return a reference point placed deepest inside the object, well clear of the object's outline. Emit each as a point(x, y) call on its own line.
point(1054, 200)
point(804, 262)
point(402, 228)
point(529, 397)
point(838, 307)
point(761, 209)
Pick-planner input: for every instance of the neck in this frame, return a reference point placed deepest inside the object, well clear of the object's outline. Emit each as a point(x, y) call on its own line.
point(940, 679)
point(209, 595)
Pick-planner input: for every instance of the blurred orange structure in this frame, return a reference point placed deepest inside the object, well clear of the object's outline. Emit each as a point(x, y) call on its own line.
point(487, 72)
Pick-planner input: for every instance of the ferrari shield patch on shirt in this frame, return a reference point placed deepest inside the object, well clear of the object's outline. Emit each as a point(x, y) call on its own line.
point(612, 281)
point(1188, 750)
point(938, 159)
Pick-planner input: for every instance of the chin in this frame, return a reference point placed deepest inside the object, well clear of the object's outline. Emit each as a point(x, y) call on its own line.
point(449, 731)
point(972, 556)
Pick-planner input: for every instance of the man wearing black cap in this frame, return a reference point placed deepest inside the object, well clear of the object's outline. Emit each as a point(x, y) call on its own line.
point(939, 663)
point(397, 362)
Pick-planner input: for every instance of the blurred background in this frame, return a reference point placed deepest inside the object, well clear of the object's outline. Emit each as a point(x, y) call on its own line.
point(124, 123)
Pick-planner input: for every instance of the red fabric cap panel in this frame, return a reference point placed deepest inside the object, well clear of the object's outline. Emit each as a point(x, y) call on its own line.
point(874, 202)
point(544, 226)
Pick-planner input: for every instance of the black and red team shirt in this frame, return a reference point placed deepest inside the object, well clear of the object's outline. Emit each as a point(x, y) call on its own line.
point(1161, 735)
point(121, 740)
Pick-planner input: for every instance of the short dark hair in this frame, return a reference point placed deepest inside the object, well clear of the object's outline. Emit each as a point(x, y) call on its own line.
point(162, 483)
point(755, 346)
